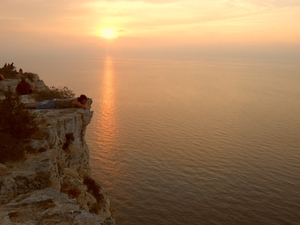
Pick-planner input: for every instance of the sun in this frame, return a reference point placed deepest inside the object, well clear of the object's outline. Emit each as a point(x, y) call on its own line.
point(108, 33)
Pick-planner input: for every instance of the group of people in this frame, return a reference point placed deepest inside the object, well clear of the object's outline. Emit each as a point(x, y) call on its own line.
point(10, 66)
point(24, 88)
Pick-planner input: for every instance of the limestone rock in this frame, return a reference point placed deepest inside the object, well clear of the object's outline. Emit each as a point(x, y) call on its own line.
point(54, 184)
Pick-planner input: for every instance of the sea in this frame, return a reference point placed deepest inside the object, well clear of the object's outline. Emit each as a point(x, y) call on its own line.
point(178, 141)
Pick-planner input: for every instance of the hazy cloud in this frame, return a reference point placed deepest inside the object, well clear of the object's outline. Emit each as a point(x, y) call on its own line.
point(74, 22)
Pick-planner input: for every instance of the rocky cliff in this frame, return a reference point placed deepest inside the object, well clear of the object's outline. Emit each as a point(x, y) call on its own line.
point(54, 183)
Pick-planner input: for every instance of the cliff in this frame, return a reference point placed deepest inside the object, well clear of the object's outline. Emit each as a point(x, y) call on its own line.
point(54, 183)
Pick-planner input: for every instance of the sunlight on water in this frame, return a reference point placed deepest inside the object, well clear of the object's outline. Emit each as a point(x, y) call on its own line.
point(107, 127)
point(192, 142)
point(196, 143)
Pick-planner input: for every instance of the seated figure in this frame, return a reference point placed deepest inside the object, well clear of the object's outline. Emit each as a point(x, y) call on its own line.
point(23, 88)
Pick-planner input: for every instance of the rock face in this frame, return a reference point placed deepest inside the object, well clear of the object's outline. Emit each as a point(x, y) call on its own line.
point(53, 184)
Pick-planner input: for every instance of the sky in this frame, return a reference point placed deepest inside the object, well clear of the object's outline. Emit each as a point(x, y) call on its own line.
point(187, 27)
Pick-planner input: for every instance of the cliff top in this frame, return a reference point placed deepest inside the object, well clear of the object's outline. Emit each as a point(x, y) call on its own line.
point(53, 183)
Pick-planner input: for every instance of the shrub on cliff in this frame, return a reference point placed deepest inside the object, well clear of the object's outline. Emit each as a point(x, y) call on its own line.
point(7, 72)
point(11, 148)
point(14, 119)
point(16, 124)
point(53, 92)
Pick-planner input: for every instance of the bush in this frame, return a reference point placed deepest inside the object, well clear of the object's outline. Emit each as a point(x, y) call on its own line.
point(15, 119)
point(11, 148)
point(7, 72)
point(53, 92)
point(16, 124)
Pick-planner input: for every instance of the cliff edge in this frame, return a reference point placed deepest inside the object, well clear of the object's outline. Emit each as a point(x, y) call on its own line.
point(54, 183)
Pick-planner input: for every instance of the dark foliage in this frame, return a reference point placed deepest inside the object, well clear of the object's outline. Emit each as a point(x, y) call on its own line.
point(7, 72)
point(15, 119)
point(11, 148)
point(16, 124)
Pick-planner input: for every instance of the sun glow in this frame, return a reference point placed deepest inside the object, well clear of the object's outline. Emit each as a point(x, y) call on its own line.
point(108, 33)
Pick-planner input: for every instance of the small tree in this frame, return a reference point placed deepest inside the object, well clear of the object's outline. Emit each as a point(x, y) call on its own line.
point(15, 119)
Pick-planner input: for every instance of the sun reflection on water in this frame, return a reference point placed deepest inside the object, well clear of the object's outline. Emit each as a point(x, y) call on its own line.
point(107, 120)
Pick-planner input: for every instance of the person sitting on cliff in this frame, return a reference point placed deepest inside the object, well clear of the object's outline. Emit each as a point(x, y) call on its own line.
point(79, 102)
point(23, 88)
point(1, 77)
point(12, 67)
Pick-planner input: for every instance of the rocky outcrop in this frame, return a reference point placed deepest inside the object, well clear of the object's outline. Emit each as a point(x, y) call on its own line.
point(54, 183)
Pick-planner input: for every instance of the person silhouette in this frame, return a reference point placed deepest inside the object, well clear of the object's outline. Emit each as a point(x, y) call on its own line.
point(79, 102)
point(23, 88)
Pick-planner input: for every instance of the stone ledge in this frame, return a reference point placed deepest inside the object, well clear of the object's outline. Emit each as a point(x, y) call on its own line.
point(48, 186)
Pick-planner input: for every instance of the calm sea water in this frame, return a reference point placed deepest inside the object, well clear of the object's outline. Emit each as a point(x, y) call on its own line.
point(193, 142)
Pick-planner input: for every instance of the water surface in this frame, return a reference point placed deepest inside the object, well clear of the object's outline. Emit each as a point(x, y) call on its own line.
point(193, 142)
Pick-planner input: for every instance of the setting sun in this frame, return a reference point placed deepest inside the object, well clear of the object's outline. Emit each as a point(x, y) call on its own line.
point(108, 33)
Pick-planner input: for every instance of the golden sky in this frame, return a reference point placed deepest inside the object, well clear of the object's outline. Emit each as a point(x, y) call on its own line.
point(148, 23)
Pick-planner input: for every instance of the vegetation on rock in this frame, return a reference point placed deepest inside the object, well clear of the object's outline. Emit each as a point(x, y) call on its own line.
point(16, 124)
point(7, 72)
point(11, 149)
point(53, 92)
point(15, 119)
